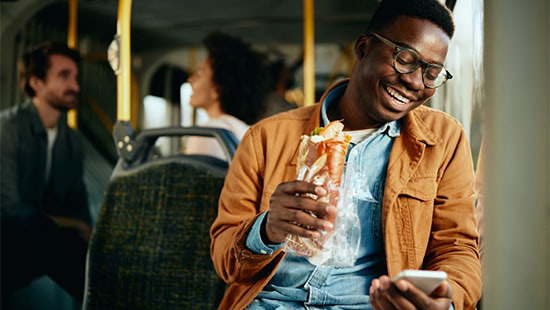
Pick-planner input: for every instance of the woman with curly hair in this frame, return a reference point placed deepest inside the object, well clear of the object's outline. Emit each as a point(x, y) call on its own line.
point(230, 85)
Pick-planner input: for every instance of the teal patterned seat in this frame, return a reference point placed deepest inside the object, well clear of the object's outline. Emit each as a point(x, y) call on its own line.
point(151, 247)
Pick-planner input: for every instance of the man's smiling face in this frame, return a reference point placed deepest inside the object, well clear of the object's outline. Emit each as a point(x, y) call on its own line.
point(383, 93)
point(60, 87)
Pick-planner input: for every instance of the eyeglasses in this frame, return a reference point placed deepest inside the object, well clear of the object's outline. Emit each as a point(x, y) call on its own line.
point(407, 60)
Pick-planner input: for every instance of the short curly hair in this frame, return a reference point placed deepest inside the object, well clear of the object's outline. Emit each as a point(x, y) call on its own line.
point(36, 62)
point(430, 10)
point(240, 75)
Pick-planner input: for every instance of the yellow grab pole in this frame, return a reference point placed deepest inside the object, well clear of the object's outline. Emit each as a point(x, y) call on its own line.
point(124, 80)
point(72, 38)
point(309, 55)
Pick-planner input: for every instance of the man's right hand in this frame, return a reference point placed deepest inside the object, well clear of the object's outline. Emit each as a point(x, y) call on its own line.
point(291, 214)
point(84, 230)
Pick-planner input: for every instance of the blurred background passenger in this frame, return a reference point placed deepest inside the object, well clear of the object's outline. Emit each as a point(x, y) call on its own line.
point(44, 208)
point(281, 79)
point(230, 85)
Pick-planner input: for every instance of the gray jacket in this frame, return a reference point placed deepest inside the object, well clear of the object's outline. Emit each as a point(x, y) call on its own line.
point(23, 189)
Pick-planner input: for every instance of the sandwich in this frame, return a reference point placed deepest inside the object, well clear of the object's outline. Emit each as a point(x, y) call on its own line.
point(321, 160)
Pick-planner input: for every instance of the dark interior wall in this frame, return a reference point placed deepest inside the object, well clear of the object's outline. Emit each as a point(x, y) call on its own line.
point(14, 17)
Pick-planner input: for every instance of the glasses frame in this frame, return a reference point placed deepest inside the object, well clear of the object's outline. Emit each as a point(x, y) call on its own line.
point(421, 62)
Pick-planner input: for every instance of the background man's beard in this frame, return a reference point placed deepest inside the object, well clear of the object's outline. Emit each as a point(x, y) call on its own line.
point(63, 104)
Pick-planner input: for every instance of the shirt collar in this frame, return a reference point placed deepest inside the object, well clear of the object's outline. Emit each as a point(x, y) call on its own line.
point(393, 128)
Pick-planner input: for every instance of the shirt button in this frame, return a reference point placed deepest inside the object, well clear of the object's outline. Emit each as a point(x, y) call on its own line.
point(263, 251)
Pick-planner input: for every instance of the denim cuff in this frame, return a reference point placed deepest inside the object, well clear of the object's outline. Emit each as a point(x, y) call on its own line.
point(254, 239)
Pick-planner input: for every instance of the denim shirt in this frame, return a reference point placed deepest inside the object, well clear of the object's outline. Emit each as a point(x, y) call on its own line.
point(297, 284)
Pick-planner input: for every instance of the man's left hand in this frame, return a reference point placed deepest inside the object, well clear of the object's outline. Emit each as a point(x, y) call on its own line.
point(402, 295)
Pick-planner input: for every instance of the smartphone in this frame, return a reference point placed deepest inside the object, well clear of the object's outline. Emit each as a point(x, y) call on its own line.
point(425, 280)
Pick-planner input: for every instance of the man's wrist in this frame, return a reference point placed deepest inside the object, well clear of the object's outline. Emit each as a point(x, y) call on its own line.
point(258, 243)
point(263, 231)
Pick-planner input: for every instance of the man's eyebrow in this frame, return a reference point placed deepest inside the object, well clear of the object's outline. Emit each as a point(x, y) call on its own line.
point(64, 72)
point(414, 49)
point(406, 45)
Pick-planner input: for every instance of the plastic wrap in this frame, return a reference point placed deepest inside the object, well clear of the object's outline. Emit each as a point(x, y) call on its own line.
point(321, 160)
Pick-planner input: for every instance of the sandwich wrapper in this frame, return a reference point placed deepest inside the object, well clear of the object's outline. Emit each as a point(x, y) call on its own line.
point(321, 161)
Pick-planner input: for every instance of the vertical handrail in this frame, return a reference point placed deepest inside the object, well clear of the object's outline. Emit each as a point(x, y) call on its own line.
point(72, 33)
point(124, 80)
point(123, 132)
point(72, 42)
point(309, 54)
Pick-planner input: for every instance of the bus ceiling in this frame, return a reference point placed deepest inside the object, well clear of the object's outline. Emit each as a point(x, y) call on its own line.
point(167, 24)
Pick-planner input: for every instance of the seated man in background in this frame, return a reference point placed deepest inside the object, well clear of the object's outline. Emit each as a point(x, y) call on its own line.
point(44, 208)
point(230, 85)
point(419, 169)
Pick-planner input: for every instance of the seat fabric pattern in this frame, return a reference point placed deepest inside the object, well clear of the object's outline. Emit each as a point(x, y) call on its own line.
point(151, 247)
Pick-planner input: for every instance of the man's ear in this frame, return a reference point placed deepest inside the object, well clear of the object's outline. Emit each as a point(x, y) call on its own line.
point(35, 83)
point(361, 46)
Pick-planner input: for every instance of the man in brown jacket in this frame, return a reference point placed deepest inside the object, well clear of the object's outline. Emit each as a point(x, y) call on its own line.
point(419, 170)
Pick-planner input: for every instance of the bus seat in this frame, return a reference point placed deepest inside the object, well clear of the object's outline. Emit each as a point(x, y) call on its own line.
point(151, 246)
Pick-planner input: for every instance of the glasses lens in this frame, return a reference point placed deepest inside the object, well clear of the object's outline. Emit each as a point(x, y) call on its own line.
point(406, 60)
point(435, 76)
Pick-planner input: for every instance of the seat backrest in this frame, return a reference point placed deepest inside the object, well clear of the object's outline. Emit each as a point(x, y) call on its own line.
point(151, 247)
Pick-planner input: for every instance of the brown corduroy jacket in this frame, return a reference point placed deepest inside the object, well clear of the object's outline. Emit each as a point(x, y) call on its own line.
point(428, 211)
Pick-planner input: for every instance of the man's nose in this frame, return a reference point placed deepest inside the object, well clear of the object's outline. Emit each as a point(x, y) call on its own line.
point(75, 86)
point(414, 79)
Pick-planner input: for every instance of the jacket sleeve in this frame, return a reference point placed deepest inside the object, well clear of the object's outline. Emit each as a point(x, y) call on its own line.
point(454, 239)
point(239, 207)
point(12, 208)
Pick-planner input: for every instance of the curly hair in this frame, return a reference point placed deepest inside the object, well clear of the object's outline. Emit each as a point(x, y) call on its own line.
point(430, 10)
point(240, 75)
point(36, 62)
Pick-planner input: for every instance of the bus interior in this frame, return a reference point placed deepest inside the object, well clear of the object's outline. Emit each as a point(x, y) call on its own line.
point(492, 54)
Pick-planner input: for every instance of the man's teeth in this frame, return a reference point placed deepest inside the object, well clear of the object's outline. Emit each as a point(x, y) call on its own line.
point(397, 96)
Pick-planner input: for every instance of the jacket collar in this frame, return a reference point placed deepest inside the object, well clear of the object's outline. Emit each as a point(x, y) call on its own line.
point(417, 130)
point(36, 122)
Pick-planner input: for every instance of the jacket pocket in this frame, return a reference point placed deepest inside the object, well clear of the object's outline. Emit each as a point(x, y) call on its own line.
point(415, 208)
point(423, 189)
